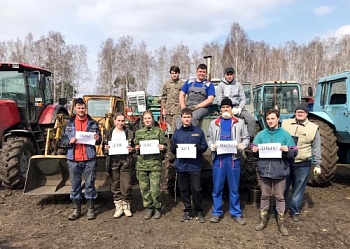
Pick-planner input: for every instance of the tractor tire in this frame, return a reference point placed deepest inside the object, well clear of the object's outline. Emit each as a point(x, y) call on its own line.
point(257, 128)
point(249, 175)
point(329, 149)
point(168, 171)
point(15, 155)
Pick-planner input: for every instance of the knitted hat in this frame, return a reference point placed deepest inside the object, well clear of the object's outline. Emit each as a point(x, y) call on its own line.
point(226, 101)
point(303, 107)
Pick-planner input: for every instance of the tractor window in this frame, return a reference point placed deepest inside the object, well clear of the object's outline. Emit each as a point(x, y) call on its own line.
point(120, 107)
point(257, 101)
point(12, 87)
point(98, 107)
point(287, 98)
point(47, 92)
point(337, 93)
point(248, 98)
point(323, 94)
point(33, 88)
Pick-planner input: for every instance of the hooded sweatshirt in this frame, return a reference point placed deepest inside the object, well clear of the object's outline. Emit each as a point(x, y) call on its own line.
point(233, 90)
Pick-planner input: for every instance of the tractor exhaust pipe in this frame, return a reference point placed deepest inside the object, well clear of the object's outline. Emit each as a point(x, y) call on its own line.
point(208, 59)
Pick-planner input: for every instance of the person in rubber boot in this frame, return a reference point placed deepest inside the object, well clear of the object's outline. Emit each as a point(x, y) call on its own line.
point(275, 149)
point(81, 158)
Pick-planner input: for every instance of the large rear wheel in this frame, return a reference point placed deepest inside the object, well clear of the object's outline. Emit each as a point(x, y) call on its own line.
point(15, 155)
point(329, 149)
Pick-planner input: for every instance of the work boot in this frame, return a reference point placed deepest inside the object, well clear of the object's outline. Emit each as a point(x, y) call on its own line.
point(126, 209)
point(157, 214)
point(149, 213)
point(240, 220)
point(186, 217)
point(263, 221)
point(214, 219)
point(118, 209)
point(91, 212)
point(280, 223)
point(76, 210)
point(200, 217)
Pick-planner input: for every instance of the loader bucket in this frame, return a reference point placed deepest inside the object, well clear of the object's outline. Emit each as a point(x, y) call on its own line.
point(48, 174)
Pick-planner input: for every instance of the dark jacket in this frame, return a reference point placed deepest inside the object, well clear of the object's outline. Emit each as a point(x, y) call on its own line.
point(129, 136)
point(70, 131)
point(275, 168)
point(189, 135)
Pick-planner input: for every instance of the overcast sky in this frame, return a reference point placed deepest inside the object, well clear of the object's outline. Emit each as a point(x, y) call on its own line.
point(160, 22)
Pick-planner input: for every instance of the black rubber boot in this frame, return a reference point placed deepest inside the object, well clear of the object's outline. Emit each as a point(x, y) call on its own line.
point(76, 210)
point(91, 212)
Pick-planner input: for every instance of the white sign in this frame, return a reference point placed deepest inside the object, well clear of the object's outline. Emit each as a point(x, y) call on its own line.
point(186, 151)
point(84, 137)
point(118, 147)
point(149, 147)
point(226, 147)
point(270, 150)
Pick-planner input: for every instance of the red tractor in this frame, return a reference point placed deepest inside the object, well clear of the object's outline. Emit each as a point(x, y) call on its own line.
point(27, 109)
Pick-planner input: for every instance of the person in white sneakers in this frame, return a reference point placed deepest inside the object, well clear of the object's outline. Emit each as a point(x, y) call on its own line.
point(120, 166)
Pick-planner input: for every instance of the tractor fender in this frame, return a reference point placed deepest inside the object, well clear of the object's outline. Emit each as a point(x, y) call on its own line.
point(48, 115)
point(322, 115)
point(22, 133)
point(9, 115)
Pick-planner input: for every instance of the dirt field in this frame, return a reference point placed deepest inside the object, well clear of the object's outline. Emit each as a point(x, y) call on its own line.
point(41, 222)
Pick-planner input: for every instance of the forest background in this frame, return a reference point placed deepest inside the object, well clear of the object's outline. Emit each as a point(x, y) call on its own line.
point(124, 65)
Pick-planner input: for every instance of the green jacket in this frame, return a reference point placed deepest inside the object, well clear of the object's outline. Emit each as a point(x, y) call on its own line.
point(150, 162)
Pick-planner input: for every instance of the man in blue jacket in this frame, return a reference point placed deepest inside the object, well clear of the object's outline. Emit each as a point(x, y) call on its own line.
point(81, 159)
point(188, 170)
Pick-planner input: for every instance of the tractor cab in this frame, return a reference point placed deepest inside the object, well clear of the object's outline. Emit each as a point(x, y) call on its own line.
point(28, 86)
point(283, 96)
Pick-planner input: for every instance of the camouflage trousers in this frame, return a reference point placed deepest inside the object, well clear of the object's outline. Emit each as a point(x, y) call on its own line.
point(171, 120)
point(149, 182)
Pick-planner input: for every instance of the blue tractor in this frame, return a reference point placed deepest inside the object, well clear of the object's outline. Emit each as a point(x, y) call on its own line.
point(331, 113)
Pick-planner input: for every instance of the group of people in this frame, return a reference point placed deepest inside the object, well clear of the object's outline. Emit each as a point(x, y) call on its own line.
point(293, 149)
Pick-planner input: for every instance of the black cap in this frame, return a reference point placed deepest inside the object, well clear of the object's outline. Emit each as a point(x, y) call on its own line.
point(226, 101)
point(303, 107)
point(230, 70)
point(79, 101)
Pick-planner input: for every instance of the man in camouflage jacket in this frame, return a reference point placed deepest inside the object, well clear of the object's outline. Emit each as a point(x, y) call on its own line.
point(170, 98)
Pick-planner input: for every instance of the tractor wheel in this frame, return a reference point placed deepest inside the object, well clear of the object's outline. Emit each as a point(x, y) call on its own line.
point(257, 128)
point(249, 176)
point(15, 155)
point(329, 155)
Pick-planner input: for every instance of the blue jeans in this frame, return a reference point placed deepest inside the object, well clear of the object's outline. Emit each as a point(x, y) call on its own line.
point(231, 170)
point(76, 171)
point(299, 174)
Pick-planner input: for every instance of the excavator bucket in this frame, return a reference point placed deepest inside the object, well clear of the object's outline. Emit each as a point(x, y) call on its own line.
point(48, 174)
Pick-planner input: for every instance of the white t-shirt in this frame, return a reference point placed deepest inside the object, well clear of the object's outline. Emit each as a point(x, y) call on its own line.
point(118, 135)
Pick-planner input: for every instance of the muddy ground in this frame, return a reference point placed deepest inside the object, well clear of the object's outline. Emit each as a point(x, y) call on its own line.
point(41, 222)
